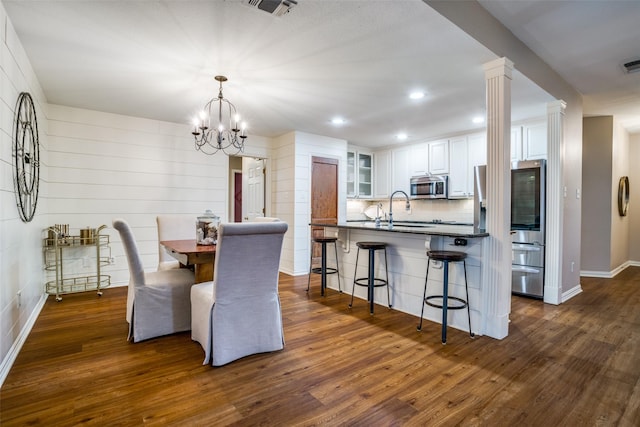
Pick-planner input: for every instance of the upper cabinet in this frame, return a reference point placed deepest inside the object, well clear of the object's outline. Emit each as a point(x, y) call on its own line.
point(418, 160)
point(359, 174)
point(439, 157)
point(534, 139)
point(465, 152)
point(382, 173)
point(529, 141)
point(401, 169)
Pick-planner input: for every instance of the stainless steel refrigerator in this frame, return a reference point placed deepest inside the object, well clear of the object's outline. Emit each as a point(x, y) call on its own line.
point(528, 185)
point(527, 223)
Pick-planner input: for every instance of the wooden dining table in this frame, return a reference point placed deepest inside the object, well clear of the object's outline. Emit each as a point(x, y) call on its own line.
point(190, 254)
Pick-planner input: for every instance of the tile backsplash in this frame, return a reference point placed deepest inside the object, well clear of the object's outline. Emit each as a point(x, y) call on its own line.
point(421, 210)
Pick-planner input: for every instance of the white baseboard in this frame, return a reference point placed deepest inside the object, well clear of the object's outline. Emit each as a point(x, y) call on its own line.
point(609, 274)
point(571, 293)
point(11, 356)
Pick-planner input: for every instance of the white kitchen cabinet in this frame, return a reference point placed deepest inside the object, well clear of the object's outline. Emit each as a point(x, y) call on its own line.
point(439, 157)
point(418, 159)
point(534, 141)
point(529, 141)
point(382, 173)
point(359, 174)
point(465, 152)
point(401, 171)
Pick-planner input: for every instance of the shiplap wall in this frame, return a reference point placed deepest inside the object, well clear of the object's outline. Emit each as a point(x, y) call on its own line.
point(20, 243)
point(105, 166)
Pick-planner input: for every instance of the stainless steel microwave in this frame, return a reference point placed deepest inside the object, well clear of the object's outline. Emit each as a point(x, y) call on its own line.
point(429, 187)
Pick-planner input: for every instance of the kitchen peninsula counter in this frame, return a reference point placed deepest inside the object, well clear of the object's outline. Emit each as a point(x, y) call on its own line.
point(407, 244)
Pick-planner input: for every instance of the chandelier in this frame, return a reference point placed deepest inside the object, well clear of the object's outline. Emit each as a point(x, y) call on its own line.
point(227, 134)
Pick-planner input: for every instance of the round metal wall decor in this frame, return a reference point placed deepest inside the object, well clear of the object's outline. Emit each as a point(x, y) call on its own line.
point(26, 153)
point(623, 195)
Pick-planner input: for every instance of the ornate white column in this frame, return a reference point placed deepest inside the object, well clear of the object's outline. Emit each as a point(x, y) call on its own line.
point(496, 249)
point(555, 202)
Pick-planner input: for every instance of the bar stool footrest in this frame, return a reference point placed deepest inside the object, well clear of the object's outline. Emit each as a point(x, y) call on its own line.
point(364, 281)
point(428, 301)
point(328, 270)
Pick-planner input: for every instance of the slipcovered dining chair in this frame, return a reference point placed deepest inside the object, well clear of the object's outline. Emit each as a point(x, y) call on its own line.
point(238, 313)
point(158, 302)
point(173, 227)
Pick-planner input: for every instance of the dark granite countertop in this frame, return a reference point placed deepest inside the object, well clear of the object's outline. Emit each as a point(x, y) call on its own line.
point(449, 229)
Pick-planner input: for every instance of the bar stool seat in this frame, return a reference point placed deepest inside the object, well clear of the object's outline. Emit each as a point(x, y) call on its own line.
point(323, 270)
point(444, 301)
point(371, 282)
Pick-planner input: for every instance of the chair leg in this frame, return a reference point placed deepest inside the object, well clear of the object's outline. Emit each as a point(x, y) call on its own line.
point(323, 269)
point(424, 295)
point(466, 287)
point(335, 247)
point(355, 275)
point(386, 268)
point(372, 258)
point(445, 299)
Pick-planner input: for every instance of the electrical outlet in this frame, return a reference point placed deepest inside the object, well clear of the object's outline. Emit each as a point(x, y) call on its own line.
point(112, 260)
point(19, 298)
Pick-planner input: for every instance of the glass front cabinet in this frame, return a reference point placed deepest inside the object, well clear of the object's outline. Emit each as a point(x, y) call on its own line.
point(359, 175)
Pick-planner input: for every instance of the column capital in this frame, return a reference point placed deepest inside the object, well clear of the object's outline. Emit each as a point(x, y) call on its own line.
point(498, 67)
point(555, 107)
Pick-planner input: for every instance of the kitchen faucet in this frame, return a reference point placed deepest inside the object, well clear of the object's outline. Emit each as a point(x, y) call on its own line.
point(407, 206)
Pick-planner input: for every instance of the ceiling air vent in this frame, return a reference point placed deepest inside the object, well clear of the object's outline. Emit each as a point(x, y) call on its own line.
point(274, 7)
point(632, 66)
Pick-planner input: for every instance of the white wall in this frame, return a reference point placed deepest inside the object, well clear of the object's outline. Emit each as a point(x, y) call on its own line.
point(20, 243)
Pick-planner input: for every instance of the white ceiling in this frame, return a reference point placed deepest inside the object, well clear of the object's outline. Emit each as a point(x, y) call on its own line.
point(586, 42)
point(357, 59)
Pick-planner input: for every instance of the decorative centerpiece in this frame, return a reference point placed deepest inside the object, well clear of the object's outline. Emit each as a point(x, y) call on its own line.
point(207, 228)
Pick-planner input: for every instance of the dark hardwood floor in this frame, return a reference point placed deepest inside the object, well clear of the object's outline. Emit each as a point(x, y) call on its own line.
point(577, 364)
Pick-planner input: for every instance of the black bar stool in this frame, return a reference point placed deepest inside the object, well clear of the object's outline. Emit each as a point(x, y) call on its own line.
point(323, 270)
point(371, 281)
point(446, 257)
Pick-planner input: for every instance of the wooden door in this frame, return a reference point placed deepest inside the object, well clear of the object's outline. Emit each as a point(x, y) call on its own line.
point(324, 194)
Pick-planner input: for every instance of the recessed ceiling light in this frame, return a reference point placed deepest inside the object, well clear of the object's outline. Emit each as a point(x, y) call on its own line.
point(416, 95)
point(478, 120)
point(338, 121)
point(402, 136)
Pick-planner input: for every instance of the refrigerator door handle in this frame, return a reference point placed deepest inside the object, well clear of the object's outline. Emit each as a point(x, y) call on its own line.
point(526, 248)
point(525, 269)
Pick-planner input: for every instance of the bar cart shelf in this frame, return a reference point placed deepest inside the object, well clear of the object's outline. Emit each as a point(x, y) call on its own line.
point(61, 251)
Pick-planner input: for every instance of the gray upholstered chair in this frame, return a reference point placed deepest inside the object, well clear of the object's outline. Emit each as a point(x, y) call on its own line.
point(173, 227)
point(158, 302)
point(238, 314)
